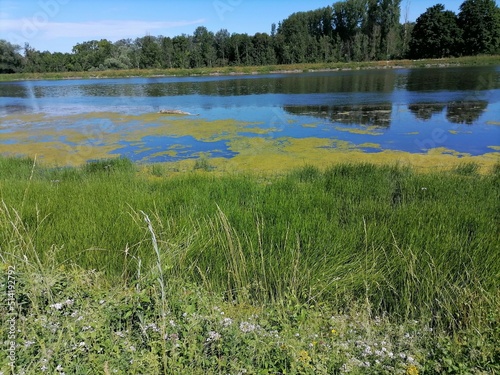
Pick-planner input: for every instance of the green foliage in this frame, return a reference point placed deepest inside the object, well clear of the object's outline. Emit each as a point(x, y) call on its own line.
point(10, 59)
point(480, 22)
point(436, 34)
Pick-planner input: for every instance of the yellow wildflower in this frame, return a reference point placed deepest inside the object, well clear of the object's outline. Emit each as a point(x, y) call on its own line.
point(304, 356)
point(411, 370)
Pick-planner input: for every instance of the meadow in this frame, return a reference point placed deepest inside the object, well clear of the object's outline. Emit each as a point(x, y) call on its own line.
point(114, 267)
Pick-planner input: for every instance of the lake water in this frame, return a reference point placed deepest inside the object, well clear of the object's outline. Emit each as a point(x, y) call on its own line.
point(411, 110)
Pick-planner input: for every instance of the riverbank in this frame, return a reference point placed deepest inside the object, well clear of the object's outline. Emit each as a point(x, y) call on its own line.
point(246, 70)
point(356, 268)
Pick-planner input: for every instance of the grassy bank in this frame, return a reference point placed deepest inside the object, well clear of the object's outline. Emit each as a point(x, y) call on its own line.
point(293, 68)
point(356, 268)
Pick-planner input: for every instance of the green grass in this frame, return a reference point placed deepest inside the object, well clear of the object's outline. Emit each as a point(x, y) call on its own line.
point(456, 61)
point(381, 255)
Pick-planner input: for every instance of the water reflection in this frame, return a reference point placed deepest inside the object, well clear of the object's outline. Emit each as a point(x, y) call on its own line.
point(453, 79)
point(463, 112)
point(370, 115)
point(310, 83)
point(467, 112)
point(425, 111)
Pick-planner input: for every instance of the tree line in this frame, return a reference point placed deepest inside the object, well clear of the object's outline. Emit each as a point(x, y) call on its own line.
point(349, 30)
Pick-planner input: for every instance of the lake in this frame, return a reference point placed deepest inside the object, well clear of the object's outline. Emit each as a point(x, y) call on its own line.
point(454, 110)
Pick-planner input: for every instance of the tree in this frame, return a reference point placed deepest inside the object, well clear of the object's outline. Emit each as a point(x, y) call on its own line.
point(348, 18)
point(480, 23)
point(203, 50)
point(222, 46)
point(92, 54)
point(181, 51)
point(10, 58)
point(436, 34)
point(149, 52)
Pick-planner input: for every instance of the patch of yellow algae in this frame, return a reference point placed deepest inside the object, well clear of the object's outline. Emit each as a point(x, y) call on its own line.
point(59, 141)
point(493, 122)
point(75, 144)
point(369, 130)
point(313, 125)
point(266, 156)
point(369, 145)
point(413, 133)
point(60, 154)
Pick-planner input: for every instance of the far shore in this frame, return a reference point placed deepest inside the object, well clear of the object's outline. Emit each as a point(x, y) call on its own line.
point(254, 70)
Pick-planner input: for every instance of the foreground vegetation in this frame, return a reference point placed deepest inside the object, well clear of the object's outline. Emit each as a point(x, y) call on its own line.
point(120, 268)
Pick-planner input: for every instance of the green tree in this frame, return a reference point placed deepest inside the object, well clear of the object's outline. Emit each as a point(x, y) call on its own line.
point(166, 52)
point(436, 34)
point(348, 18)
point(263, 51)
point(150, 53)
point(181, 51)
point(480, 23)
point(10, 58)
point(92, 54)
point(203, 48)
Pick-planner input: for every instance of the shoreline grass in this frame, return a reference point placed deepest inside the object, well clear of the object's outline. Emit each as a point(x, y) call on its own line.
point(247, 70)
point(353, 269)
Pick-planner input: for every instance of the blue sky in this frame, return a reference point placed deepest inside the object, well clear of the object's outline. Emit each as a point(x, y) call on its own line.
point(57, 25)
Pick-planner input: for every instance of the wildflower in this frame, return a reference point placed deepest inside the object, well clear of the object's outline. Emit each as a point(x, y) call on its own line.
point(28, 343)
point(333, 331)
point(57, 306)
point(411, 370)
point(247, 327)
point(44, 368)
point(226, 322)
point(213, 336)
point(304, 357)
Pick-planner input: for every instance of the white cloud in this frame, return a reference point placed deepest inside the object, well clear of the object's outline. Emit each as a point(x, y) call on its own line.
point(111, 29)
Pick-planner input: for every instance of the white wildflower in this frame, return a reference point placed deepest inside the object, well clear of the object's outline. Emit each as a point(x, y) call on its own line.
point(226, 322)
point(247, 327)
point(57, 306)
point(213, 336)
